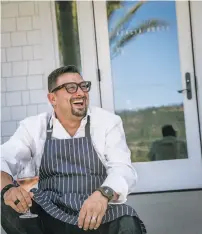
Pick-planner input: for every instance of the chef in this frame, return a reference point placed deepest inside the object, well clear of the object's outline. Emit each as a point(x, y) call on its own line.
point(85, 170)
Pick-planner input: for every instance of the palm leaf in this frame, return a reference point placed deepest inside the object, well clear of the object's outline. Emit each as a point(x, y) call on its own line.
point(112, 6)
point(142, 28)
point(126, 19)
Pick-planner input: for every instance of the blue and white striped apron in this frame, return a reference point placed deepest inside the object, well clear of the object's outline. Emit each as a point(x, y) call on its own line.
point(70, 172)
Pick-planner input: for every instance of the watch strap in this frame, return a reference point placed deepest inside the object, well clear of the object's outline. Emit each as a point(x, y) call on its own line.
point(102, 190)
point(5, 189)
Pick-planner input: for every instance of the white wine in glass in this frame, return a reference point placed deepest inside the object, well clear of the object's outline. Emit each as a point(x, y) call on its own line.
point(27, 178)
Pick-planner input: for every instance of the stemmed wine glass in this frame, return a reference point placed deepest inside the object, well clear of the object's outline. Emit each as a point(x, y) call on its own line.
point(27, 178)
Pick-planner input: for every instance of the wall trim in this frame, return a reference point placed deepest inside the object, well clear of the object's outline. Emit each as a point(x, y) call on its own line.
point(166, 191)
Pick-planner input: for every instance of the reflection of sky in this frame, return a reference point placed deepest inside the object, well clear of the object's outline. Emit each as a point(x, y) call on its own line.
point(148, 71)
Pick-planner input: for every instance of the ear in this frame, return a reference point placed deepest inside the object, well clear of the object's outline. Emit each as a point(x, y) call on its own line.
point(52, 99)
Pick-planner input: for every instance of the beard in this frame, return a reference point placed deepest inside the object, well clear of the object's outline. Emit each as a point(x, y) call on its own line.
point(79, 112)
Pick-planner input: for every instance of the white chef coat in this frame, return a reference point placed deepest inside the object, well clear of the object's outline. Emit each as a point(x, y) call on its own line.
point(108, 139)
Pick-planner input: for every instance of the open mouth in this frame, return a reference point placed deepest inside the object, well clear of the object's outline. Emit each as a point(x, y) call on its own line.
point(78, 103)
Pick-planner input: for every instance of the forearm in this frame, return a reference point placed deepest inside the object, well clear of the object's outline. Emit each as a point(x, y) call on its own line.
point(5, 179)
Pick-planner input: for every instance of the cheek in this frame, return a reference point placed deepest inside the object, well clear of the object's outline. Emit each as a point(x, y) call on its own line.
point(63, 99)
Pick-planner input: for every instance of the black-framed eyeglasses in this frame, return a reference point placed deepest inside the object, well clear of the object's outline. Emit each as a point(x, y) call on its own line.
point(72, 87)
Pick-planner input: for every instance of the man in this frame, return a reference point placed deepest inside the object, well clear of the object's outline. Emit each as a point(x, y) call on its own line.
point(169, 147)
point(85, 168)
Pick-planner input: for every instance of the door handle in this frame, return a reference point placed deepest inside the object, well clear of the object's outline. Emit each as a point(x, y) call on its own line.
point(188, 86)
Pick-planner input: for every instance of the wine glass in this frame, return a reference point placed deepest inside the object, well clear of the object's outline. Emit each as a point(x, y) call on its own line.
point(27, 178)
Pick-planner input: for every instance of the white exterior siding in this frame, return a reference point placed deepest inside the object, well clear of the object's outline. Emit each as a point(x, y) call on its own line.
point(23, 79)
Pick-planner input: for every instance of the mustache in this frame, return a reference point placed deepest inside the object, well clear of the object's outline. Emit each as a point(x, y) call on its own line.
point(78, 98)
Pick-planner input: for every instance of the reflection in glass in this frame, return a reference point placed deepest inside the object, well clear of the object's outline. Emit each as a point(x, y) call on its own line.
point(146, 76)
point(68, 35)
point(169, 147)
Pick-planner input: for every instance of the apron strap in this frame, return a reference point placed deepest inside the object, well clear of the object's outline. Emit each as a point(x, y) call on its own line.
point(50, 129)
point(87, 127)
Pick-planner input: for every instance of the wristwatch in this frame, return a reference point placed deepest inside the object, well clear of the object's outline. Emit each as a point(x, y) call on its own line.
point(106, 192)
point(5, 189)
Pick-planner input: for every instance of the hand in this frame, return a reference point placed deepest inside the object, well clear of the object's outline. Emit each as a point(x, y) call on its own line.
point(18, 193)
point(92, 211)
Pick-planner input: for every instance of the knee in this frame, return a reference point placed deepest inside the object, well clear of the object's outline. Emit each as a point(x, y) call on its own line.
point(9, 219)
point(7, 211)
point(129, 224)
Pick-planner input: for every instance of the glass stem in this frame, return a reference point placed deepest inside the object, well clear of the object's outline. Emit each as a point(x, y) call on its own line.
point(28, 212)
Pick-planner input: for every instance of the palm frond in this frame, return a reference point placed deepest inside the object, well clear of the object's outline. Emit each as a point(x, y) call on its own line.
point(112, 6)
point(125, 19)
point(144, 27)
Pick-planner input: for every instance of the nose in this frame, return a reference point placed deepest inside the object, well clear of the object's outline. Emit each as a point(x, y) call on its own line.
point(79, 92)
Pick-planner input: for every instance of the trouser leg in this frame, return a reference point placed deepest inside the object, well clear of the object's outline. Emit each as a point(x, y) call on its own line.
point(74, 229)
point(12, 224)
point(122, 225)
point(55, 226)
point(125, 225)
point(51, 225)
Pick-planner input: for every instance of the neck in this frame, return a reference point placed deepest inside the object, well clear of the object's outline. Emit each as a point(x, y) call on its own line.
point(70, 123)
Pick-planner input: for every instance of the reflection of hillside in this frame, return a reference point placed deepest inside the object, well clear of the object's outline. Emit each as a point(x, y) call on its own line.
point(142, 127)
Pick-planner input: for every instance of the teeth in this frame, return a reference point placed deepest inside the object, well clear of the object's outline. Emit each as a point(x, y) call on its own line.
point(78, 102)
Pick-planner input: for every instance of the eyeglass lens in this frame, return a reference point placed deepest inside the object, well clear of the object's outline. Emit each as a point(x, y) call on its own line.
point(73, 87)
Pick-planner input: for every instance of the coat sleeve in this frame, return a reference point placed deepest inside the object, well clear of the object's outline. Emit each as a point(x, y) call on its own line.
point(122, 176)
point(17, 147)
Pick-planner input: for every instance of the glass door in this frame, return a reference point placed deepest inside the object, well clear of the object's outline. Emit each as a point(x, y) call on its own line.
point(147, 77)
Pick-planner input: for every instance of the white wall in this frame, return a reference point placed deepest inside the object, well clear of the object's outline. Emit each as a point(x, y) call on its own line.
point(23, 74)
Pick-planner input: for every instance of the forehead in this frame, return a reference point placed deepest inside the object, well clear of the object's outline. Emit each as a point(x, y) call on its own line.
point(69, 77)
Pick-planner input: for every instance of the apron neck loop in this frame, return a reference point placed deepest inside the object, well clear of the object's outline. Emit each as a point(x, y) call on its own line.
point(50, 128)
point(87, 128)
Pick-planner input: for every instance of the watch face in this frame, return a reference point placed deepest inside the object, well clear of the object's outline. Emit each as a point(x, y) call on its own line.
point(108, 191)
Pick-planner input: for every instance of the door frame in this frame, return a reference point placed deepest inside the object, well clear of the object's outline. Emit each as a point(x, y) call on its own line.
point(157, 175)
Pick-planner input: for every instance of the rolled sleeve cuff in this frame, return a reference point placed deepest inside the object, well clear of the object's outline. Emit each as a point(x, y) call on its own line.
point(5, 168)
point(119, 185)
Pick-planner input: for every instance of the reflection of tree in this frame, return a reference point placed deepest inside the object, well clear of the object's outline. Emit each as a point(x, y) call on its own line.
point(123, 32)
point(66, 15)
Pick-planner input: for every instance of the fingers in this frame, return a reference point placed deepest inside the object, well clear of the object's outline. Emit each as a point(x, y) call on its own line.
point(10, 198)
point(93, 221)
point(92, 211)
point(12, 205)
point(22, 205)
point(90, 218)
point(20, 194)
point(31, 194)
point(99, 220)
point(82, 216)
point(26, 197)
point(87, 220)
